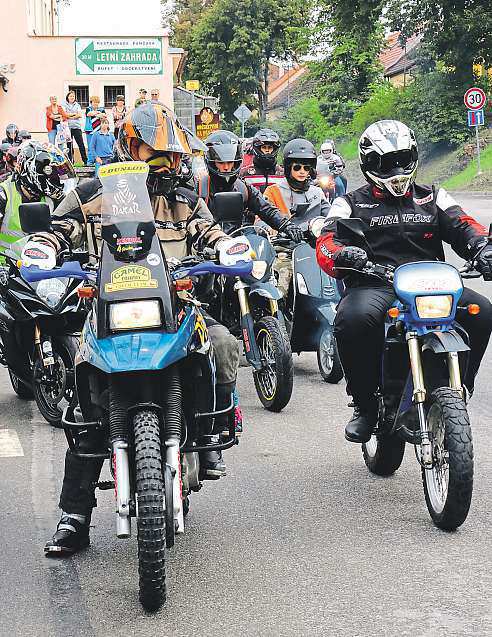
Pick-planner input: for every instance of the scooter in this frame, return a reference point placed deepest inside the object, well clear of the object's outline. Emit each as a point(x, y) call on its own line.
point(311, 304)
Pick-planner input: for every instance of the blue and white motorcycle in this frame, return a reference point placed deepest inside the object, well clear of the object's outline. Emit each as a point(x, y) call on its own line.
point(421, 396)
point(145, 372)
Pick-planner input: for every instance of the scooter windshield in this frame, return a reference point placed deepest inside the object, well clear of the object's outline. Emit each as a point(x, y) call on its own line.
point(127, 218)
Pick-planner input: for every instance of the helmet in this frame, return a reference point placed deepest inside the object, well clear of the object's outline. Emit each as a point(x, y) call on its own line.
point(388, 156)
point(10, 157)
point(12, 131)
point(24, 134)
point(266, 136)
point(156, 126)
point(43, 169)
point(299, 150)
point(223, 146)
point(327, 148)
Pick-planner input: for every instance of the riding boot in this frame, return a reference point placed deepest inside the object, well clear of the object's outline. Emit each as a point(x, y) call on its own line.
point(361, 426)
point(71, 535)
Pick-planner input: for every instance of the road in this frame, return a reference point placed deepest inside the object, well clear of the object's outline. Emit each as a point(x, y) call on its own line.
point(298, 539)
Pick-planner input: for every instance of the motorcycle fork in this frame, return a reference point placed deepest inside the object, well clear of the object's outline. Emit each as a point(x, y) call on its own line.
point(273, 307)
point(121, 474)
point(454, 372)
point(45, 349)
point(418, 397)
point(247, 326)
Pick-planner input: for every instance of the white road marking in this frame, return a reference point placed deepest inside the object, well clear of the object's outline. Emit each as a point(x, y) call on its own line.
point(10, 445)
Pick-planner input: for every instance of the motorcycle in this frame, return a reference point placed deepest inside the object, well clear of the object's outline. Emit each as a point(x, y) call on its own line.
point(311, 304)
point(325, 179)
point(421, 396)
point(145, 372)
point(40, 324)
point(248, 307)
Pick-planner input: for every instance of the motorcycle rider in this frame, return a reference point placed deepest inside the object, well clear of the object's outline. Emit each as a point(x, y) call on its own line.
point(403, 222)
point(152, 134)
point(264, 170)
point(329, 155)
point(12, 136)
point(299, 158)
point(223, 160)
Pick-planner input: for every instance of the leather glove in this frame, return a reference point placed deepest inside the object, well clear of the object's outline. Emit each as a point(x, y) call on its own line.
point(484, 262)
point(351, 257)
point(294, 233)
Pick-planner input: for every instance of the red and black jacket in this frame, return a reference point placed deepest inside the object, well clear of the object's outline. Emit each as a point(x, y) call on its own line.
point(402, 229)
point(259, 177)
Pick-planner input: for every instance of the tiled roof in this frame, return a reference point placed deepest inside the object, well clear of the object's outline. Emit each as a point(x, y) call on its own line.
point(391, 56)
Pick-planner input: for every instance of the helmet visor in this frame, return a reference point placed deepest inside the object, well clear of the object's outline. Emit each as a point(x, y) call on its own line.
point(389, 163)
point(224, 152)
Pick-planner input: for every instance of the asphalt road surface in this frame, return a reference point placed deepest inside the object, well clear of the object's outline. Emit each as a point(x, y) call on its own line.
point(298, 539)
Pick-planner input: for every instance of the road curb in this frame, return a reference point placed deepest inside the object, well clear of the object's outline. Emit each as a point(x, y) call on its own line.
point(471, 193)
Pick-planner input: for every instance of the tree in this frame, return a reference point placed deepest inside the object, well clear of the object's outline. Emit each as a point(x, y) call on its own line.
point(181, 17)
point(233, 43)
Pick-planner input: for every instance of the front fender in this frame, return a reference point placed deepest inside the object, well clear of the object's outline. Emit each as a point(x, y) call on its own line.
point(136, 351)
point(326, 313)
point(442, 342)
point(267, 290)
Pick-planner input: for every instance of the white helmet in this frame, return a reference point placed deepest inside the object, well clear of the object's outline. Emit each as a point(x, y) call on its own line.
point(327, 148)
point(388, 156)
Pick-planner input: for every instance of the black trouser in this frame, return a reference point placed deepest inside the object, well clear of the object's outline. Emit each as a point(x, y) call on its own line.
point(79, 138)
point(359, 330)
point(77, 495)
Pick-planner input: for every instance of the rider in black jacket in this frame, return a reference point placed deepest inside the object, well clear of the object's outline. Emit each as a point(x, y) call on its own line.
point(223, 160)
point(402, 222)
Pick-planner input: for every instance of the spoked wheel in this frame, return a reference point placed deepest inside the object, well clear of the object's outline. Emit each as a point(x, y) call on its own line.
point(448, 485)
point(274, 381)
point(54, 391)
point(329, 363)
point(383, 454)
point(151, 523)
point(20, 388)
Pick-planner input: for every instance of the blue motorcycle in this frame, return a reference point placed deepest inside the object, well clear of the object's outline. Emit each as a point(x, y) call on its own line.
point(421, 396)
point(145, 372)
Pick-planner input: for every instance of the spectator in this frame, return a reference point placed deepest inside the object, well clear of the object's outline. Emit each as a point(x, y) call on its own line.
point(93, 114)
point(119, 113)
point(74, 114)
point(54, 115)
point(102, 145)
point(142, 98)
point(154, 96)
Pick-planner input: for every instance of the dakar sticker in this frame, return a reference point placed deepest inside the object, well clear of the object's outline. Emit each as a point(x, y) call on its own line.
point(130, 277)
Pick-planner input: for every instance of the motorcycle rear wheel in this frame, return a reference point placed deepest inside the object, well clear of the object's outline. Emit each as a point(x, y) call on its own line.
point(448, 486)
point(48, 399)
point(275, 380)
point(21, 389)
point(329, 364)
point(151, 524)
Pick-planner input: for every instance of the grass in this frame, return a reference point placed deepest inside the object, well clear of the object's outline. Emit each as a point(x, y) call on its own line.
point(349, 150)
point(468, 179)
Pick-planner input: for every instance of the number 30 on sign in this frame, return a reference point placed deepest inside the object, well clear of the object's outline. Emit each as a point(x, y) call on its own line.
point(474, 98)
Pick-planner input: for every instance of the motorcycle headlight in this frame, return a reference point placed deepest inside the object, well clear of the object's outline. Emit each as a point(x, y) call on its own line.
point(316, 226)
point(134, 315)
point(433, 307)
point(324, 181)
point(51, 291)
point(259, 269)
point(301, 284)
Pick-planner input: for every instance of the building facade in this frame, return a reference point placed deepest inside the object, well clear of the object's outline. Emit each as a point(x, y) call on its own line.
point(36, 62)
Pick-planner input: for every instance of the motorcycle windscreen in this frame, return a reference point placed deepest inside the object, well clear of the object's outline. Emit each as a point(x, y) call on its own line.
point(127, 217)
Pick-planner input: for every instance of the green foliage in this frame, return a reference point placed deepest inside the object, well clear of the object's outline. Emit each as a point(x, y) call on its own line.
point(304, 119)
point(468, 176)
point(349, 150)
point(382, 104)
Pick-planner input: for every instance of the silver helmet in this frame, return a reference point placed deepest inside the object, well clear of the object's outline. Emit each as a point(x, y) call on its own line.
point(388, 156)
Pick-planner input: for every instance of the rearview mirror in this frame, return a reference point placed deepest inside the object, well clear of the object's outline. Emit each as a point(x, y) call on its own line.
point(228, 207)
point(351, 232)
point(35, 217)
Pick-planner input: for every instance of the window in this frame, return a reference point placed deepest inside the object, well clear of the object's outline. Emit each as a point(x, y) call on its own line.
point(110, 93)
point(81, 95)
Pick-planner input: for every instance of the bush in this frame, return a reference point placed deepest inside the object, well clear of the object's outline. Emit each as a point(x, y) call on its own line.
point(382, 104)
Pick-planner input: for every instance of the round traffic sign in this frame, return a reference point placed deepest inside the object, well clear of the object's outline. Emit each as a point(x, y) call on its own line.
point(474, 98)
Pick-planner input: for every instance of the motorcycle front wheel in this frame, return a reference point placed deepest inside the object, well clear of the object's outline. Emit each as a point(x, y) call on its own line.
point(274, 381)
point(52, 392)
point(383, 454)
point(329, 364)
point(448, 485)
point(151, 523)
point(21, 389)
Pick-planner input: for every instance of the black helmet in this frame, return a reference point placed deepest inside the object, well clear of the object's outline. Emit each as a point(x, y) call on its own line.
point(12, 131)
point(156, 126)
point(299, 150)
point(266, 136)
point(24, 134)
point(388, 156)
point(43, 169)
point(226, 147)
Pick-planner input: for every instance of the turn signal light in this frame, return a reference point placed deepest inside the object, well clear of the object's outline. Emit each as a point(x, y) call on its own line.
point(473, 308)
point(86, 292)
point(393, 312)
point(183, 284)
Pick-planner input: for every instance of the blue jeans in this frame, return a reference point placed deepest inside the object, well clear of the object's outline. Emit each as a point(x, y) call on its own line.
point(52, 136)
point(105, 160)
point(339, 186)
point(90, 154)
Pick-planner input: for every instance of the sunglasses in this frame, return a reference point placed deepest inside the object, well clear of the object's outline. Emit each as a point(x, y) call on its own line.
point(297, 167)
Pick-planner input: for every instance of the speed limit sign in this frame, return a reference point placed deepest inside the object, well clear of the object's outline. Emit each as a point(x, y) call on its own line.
point(474, 98)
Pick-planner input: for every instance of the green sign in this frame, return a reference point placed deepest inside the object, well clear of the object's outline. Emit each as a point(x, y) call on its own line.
point(118, 56)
